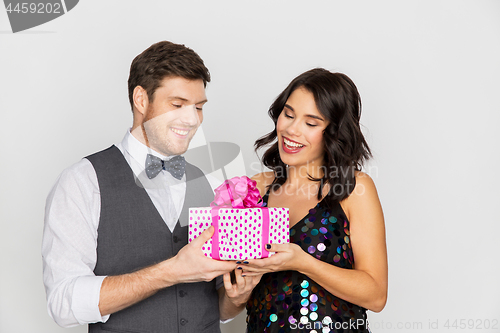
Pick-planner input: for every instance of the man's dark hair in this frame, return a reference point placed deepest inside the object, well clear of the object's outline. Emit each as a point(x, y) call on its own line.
point(161, 60)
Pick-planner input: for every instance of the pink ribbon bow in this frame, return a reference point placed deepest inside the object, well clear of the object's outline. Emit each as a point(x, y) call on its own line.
point(237, 192)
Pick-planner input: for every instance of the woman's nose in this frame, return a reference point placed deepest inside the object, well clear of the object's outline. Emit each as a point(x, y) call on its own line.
point(293, 129)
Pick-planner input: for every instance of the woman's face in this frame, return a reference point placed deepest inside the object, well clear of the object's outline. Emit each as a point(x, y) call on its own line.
point(300, 129)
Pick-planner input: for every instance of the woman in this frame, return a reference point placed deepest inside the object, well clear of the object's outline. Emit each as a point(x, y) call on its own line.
point(335, 266)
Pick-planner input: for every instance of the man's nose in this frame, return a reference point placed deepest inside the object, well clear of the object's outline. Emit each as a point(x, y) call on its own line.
point(190, 116)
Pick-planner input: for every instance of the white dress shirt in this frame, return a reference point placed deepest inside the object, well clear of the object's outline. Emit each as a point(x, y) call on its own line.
point(70, 232)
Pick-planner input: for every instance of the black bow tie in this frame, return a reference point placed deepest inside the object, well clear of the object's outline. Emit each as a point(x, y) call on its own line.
point(176, 166)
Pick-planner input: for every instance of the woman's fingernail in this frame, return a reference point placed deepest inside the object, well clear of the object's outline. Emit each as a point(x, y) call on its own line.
point(268, 246)
point(239, 268)
point(245, 262)
point(243, 275)
point(238, 262)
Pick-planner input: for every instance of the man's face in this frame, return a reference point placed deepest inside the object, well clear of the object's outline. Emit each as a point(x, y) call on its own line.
point(174, 115)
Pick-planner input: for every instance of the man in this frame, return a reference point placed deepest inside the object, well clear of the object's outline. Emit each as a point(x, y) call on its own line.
point(115, 249)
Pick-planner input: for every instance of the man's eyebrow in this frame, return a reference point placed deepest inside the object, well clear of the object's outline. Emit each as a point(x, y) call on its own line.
point(178, 98)
point(307, 115)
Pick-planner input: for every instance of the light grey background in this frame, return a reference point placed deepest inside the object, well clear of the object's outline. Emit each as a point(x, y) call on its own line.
point(428, 73)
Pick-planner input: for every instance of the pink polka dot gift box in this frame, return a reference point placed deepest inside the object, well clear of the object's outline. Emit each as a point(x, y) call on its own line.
point(242, 227)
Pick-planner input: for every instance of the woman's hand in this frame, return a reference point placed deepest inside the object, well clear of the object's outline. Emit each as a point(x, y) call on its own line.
point(288, 256)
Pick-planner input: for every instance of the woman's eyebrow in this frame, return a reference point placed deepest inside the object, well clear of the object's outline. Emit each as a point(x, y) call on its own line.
point(307, 115)
point(314, 117)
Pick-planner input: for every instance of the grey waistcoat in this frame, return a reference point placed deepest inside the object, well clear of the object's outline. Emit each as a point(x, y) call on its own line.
point(132, 235)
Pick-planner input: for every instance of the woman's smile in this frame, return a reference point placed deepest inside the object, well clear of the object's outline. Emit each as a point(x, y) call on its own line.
point(290, 146)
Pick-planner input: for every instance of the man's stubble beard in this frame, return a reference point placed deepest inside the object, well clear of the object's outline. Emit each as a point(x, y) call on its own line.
point(158, 141)
point(157, 134)
point(156, 137)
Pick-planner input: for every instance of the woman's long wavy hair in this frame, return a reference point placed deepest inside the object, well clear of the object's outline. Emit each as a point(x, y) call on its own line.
point(345, 147)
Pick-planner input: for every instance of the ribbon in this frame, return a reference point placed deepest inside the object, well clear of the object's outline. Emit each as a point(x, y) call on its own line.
point(265, 232)
point(239, 193)
point(215, 236)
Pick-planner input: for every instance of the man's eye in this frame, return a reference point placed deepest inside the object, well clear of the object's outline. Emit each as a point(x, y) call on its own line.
point(199, 109)
point(176, 105)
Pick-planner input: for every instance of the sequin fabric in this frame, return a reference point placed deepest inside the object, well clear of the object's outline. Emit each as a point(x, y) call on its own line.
point(289, 301)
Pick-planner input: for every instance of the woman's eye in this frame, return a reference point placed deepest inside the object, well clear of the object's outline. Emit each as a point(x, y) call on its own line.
point(311, 125)
point(288, 116)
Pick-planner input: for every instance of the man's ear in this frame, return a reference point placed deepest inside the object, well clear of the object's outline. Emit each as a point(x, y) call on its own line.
point(141, 100)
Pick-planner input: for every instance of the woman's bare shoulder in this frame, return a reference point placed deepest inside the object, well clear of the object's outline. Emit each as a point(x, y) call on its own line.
point(363, 179)
point(263, 179)
point(363, 191)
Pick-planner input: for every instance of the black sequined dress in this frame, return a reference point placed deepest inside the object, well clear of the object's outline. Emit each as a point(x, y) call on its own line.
point(289, 301)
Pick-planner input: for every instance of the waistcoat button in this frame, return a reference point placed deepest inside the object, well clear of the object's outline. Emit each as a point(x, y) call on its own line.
point(183, 321)
point(182, 293)
point(176, 239)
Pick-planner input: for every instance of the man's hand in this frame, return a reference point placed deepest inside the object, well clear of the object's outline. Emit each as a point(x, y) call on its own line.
point(191, 265)
point(234, 296)
point(239, 292)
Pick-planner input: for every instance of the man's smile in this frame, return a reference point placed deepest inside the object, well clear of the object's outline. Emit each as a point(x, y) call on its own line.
point(180, 132)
